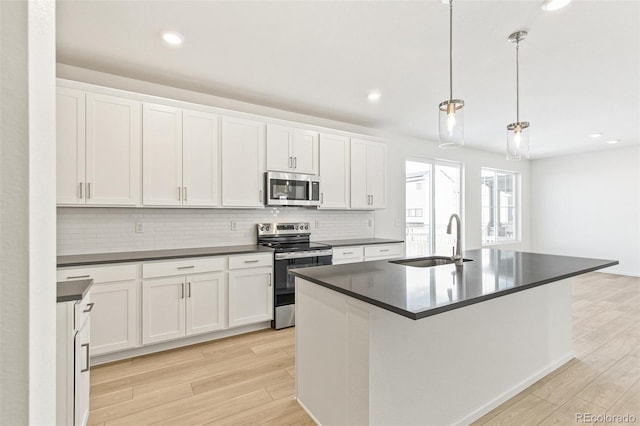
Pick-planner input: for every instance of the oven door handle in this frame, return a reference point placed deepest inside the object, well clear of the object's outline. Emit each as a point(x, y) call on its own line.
point(302, 255)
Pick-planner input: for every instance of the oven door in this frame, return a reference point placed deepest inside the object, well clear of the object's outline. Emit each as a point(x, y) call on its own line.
point(284, 288)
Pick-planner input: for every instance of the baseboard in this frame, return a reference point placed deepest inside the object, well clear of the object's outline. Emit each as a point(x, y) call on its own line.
point(475, 415)
point(174, 344)
point(307, 411)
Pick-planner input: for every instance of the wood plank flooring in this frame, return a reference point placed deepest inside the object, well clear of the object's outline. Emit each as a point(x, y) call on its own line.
point(249, 379)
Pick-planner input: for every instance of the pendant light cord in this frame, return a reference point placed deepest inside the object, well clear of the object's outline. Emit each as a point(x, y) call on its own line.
point(450, 50)
point(517, 81)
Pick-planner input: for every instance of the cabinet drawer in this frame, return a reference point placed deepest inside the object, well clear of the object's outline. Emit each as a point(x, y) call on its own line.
point(250, 261)
point(99, 274)
point(353, 254)
point(82, 310)
point(383, 251)
point(183, 267)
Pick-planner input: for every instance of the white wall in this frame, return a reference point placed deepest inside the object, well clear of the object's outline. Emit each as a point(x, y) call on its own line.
point(27, 213)
point(389, 222)
point(99, 230)
point(589, 205)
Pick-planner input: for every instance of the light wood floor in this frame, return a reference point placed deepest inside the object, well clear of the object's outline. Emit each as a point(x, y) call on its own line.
point(249, 379)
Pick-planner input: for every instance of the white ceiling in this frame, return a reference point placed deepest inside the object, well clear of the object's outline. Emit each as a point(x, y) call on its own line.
point(579, 67)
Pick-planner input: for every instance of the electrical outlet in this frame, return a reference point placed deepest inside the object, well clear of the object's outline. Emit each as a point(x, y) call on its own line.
point(139, 227)
point(317, 224)
point(234, 225)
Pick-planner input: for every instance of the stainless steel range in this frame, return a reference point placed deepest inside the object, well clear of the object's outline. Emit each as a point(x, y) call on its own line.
point(292, 249)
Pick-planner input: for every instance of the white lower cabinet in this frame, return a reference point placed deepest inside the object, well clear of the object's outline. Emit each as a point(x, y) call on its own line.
point(180, 306)
point(114, 323)
point(250, 296)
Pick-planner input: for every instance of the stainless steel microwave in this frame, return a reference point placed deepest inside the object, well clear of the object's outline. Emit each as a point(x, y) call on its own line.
point(292, 189)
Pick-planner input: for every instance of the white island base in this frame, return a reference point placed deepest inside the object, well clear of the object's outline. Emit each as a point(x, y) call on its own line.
point(359, 364)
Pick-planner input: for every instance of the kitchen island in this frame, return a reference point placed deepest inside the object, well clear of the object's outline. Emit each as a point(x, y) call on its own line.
point(386, 343)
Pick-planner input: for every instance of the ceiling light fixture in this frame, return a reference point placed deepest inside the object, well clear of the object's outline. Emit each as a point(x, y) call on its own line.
point(518, 132)
point(551, 5)
point(451, 125)
point(596, 135)
point(613, 141)
point(173, 38)
point(374, 96)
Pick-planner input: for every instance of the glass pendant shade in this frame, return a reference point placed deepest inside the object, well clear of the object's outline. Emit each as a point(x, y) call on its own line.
point(451, 124)
point(518, 141)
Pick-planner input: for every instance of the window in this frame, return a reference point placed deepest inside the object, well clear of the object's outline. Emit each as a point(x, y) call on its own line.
point(433, 193)
point(499, 206)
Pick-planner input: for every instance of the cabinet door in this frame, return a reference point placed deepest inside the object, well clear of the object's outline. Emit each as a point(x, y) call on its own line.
point(163, 303)
point(250, 296)
point(242, 162)
point(70, 146)
point(305, 152)
point(376, 174)
point(334, 172)
point(81, 375)
point(279, 157)
point(113, 150)
point(200, 170)
point(114, 317)
point(206, 300)
point(359, 195)
point(162, 155)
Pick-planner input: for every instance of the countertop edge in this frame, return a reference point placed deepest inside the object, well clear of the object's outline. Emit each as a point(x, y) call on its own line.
point(83, 289)
point(450, 307)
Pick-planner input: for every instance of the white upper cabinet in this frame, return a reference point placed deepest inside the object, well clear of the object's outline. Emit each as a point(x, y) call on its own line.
point(180, 157)
point(243, 159)
point(200, 159)
point(368, 174)
point(291, 150)
point(98, 149)
point(334, 171)
point(162, 155)
point(70, 146)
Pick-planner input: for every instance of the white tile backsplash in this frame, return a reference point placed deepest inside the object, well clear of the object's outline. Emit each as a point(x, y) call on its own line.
point(96, 230)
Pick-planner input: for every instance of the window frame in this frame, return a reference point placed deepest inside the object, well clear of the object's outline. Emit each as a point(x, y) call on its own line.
point(431, 213)
point(517, 214)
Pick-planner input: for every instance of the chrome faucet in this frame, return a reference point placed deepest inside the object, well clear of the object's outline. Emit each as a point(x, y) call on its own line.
point(458, 253)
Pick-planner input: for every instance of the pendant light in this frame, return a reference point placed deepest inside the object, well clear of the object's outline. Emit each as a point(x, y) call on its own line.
point(518, 132)
point(451, 125)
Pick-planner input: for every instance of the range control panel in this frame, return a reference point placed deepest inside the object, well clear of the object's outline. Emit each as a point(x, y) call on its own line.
point(283, 228)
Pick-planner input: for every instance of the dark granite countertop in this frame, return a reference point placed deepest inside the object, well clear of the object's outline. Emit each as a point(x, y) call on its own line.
point(359, 242)
point(137, 256)
point(69, 291)
point(421, 292)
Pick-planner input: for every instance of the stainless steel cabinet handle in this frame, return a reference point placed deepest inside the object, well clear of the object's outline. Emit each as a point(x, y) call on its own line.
point(269, 279)
point(80, 190)
point(78, 276)
point(185, 193)
point(88, 190)
point(252, 261)
point(260, 195)
point(182, 290)
point(322, 198)
point(189, 284)
point(383, 251)
point(186, 267)
point(290, 162)
point(372, 200)
point(348, 252)
point(89, 307)
point(85, 345)
point(179, 194)
point(295, 162)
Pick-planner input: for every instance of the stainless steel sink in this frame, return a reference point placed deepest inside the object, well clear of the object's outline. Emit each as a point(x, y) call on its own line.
point(426, 262)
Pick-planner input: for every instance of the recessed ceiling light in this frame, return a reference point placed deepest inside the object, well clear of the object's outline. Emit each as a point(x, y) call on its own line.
point(596, 135)
point(550, 5)
point(613, 141)
point(173, 38)
point(374, 96)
